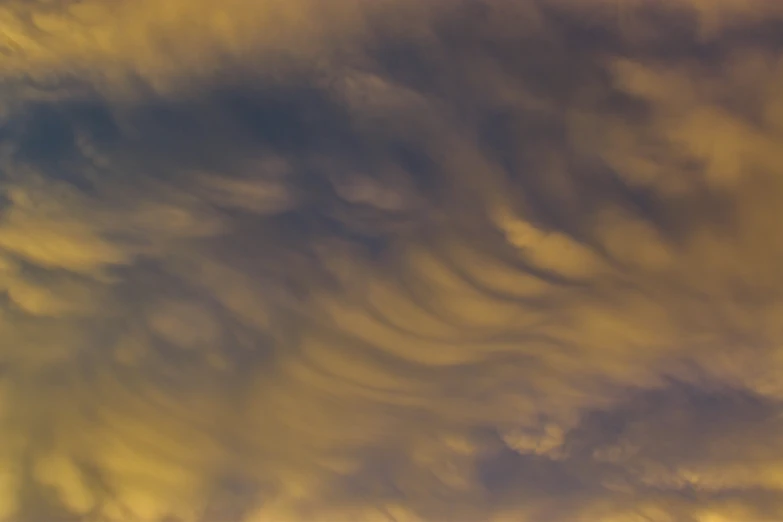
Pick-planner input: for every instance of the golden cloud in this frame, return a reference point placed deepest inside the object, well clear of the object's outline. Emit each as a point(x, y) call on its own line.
point(391, 261)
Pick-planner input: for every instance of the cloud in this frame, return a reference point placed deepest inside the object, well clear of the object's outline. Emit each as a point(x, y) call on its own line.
point(280, 261)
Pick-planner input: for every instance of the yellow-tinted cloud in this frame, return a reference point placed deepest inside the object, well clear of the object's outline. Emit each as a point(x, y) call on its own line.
point(392, 261)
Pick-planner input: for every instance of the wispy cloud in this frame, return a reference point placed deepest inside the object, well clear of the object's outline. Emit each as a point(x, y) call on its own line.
point(391, 261)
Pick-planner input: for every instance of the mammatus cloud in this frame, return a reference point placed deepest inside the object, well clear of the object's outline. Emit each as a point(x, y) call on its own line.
point(391, 261)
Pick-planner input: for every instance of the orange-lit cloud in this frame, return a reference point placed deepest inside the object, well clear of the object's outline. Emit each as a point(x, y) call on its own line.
point(391, 261)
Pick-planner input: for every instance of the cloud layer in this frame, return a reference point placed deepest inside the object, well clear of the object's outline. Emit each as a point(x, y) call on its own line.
point(464, 260)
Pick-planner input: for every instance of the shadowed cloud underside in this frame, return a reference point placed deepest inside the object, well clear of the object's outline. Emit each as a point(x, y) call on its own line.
point(391, 261)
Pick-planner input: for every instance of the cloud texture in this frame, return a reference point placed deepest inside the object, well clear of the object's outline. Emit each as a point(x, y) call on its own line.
point(392, 261)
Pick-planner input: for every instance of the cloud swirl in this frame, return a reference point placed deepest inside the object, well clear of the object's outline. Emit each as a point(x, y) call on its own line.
point(392, 261)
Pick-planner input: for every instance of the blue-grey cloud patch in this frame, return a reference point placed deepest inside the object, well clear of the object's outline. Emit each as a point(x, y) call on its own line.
point(393, 262)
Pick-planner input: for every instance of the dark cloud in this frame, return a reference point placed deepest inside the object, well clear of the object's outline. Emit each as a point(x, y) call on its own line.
point(391, 261)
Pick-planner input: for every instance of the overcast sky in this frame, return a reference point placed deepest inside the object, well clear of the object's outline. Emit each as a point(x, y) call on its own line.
point(391, 261)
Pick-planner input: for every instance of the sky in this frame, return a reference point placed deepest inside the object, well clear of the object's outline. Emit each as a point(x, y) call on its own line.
point(391, 261)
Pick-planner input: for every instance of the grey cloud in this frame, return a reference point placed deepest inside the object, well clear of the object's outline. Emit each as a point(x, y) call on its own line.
point(280, 263)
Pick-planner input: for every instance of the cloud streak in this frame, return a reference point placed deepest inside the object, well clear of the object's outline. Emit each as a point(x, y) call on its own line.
point(390, 261)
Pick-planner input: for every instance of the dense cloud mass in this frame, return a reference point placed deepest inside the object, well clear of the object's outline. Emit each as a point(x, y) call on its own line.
point(391, 261)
